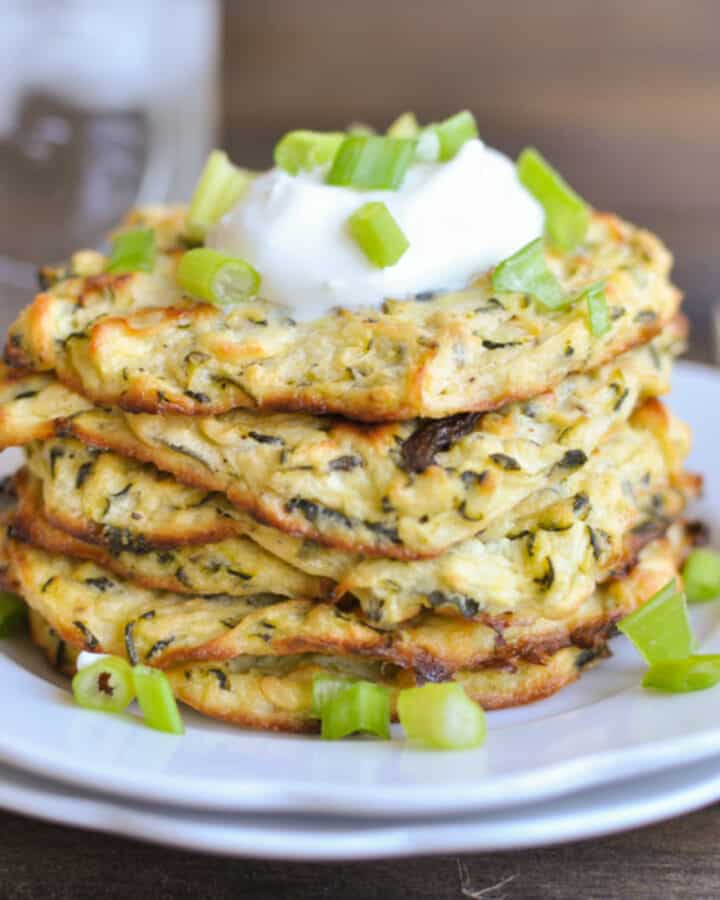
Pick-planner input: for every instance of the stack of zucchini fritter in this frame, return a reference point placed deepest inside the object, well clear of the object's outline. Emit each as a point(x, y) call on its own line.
point(460, 486)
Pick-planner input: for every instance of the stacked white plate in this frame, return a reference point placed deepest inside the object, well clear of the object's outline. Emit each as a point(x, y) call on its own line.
point(601, 756)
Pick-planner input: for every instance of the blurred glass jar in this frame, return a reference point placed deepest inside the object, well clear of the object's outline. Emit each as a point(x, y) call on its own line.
point(103, 105)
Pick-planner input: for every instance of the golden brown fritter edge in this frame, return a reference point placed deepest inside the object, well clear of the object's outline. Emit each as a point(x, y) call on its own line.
point(232, 519)
point(135, 342)
point(275, 695)
point(279, 698)
point(84, 603)
point(569, 534)
point(403, 490)
point(183, 569)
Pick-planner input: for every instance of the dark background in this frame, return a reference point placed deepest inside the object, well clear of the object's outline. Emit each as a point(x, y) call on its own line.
point(624, 97)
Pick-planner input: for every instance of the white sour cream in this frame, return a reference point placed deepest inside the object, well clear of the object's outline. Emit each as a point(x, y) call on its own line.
point(460, 217)
point(85, 659)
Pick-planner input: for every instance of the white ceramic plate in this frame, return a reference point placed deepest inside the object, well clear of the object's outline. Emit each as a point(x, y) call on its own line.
point(586, 814)
point(600, 730)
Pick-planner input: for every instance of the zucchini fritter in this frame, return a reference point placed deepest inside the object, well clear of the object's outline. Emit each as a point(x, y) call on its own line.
point(236, 566)
point(546, 556)
point(275, 694)
point(407, 490)
point(134, 341)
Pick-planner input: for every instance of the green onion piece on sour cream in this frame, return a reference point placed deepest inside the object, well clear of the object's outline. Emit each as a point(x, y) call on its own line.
point(377, 234)
point(405, 126)
point(454, 132)
point(303, 150)
point(220, 187)
point(371, 162)
point(566, 214)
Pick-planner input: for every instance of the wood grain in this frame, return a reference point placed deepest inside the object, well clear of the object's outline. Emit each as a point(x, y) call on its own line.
point(674, 861)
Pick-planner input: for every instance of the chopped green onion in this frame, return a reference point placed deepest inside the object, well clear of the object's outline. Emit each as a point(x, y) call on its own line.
point(13, 615)
point(220, 187)
point(527, 272)
point(371, 162)
point(324, 688)
point(696, 673)
point(106, 685)
point(217, 278)
point(428, 146)
point(441, 716)
point(660, 628)
point(566, 214)
point(360, 128)
point(377, 234)
point(454, 132)
point(300, 150)
point(360, 707)
point(701, 575)
point(598, 312)
point(156, 700)
point(132, 251)
point(405, 126)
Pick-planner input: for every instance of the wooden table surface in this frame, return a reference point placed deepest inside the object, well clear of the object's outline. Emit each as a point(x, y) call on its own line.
point(624, 97)
point(676, 860)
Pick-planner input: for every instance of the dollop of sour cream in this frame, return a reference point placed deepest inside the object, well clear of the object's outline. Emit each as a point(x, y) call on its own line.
point(461, 217)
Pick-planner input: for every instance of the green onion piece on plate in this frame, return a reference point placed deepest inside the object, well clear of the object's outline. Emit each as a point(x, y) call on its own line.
point(660, 628)
point(527, 272)
point(566, 214)
point(405, 126)
point(156, 700)
point(217, 278)
point(377, 234)
point(676, 676)
point(106, 685)
point(454, 132)
point(371, 162)
point(302, 150)
point(441, 716)
point(324, 688)
point(597, 308)
point(13, 615)
point(220, 187)
point(360, 707)
point(701, 575)
point(132, 251)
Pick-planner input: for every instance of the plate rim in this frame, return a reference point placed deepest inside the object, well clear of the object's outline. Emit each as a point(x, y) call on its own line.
point(537, 825)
